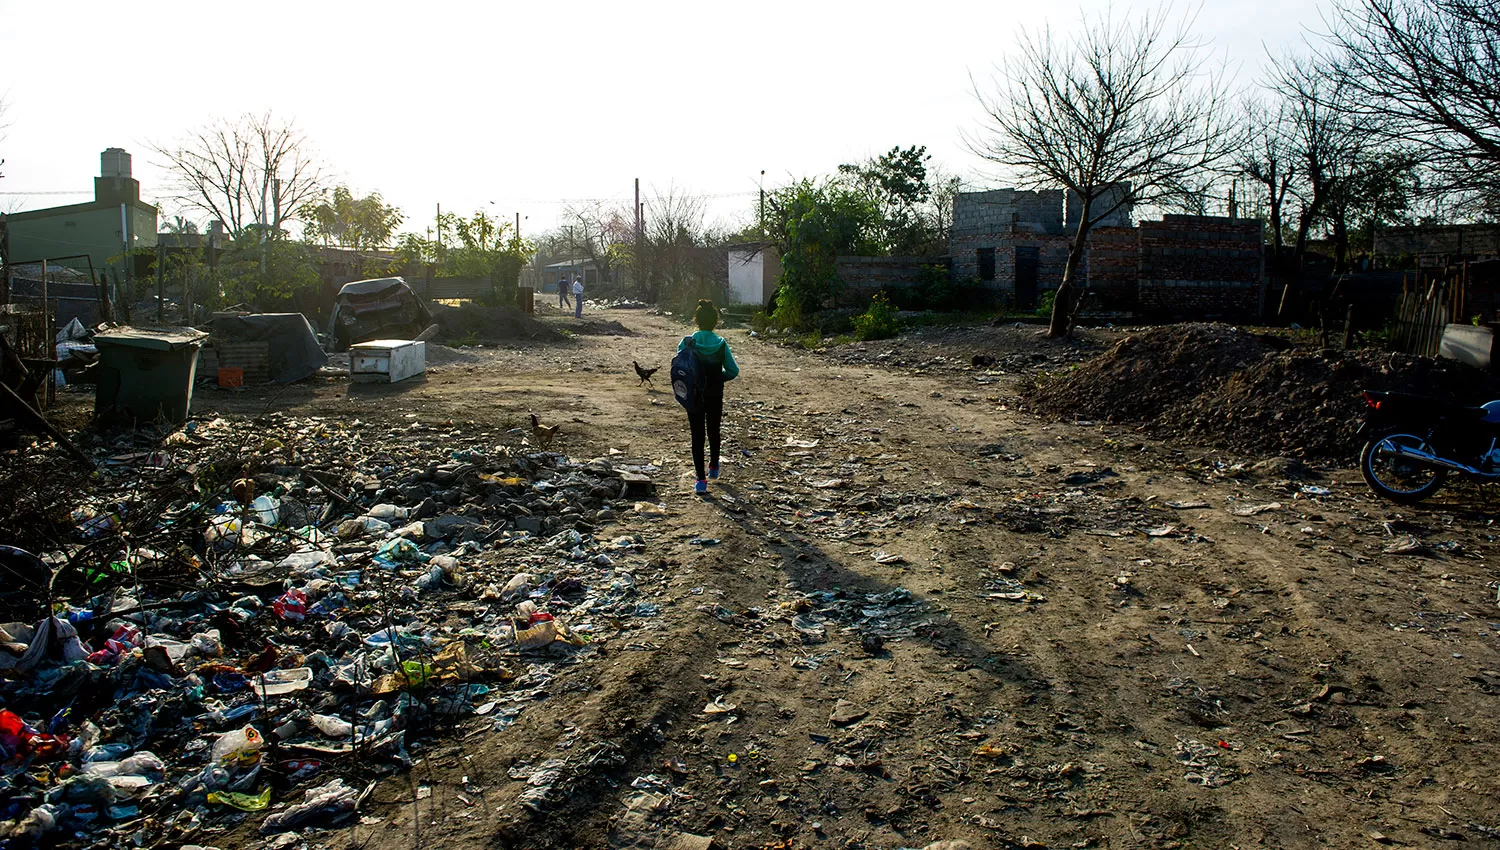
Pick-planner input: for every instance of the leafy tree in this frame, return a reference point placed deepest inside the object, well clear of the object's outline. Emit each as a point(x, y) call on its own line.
point(911, 204)
point(896, 182)
point(477, 247)
point(339, 218)
point(1378, 190)
point(268, 273)
point(812, 223)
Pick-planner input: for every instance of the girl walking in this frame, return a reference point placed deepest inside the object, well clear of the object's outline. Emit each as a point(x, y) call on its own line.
point(712, 352)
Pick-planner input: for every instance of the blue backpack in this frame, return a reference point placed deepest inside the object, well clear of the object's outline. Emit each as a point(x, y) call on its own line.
point(687, 377)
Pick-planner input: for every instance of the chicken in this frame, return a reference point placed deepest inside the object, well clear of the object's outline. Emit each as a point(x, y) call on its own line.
point(644, 374)
point(544, 434)
point(982, 361)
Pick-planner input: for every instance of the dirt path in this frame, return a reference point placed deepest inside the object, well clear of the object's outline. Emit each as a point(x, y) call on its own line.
point(936, 618)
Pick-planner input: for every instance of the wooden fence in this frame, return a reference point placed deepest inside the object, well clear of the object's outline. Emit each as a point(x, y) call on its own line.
point(1428, 303)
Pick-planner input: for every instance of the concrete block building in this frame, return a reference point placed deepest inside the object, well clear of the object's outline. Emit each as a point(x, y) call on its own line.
point(1015, 244)
point(100, 229)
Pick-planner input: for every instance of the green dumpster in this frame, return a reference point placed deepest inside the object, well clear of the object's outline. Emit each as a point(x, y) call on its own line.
point(147, 374)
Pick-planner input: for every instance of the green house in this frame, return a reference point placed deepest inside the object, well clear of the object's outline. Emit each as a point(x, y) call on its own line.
point(102, 229)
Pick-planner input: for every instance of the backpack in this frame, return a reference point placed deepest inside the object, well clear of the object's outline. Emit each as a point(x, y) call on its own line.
point(687, 377)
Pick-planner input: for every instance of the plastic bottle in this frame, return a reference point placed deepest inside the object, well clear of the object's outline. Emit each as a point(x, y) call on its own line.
point(267, 509)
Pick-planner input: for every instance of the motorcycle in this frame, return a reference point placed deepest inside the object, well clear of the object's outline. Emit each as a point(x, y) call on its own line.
point(1413, 443)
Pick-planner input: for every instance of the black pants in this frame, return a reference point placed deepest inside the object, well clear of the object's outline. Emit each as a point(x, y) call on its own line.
point(707, 423)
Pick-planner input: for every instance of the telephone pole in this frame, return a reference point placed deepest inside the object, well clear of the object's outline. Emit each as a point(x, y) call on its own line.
point(762, 202)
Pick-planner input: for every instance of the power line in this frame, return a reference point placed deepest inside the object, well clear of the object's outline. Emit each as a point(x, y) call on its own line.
point(48, 193)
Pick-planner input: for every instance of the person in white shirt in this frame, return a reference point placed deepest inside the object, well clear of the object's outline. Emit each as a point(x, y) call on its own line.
point(577, 297)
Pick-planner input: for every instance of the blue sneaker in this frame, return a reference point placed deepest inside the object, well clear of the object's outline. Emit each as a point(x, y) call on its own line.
point(713, 471)
point(701, 486)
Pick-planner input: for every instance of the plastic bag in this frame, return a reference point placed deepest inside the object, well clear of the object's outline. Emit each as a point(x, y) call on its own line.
point(333, 727)
point(241, 746)
point(291, 605)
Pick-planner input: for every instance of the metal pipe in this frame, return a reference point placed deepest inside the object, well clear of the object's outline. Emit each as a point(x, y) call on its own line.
point(1431, 459)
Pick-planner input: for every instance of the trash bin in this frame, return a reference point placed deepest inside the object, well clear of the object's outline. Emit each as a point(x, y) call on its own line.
point(147, 373)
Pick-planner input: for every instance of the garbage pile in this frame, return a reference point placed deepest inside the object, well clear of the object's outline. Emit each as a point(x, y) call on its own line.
point(265, 616)
point(1224, 387)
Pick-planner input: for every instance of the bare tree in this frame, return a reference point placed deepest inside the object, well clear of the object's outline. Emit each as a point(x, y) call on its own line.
point(1325, 136)
point(1123, 113)
point(1267, 159)
point(255, 170)
point(674, 259)
point(1425, 73)
point(598, 231)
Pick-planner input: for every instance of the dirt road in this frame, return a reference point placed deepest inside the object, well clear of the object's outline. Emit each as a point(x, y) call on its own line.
point(910, 613)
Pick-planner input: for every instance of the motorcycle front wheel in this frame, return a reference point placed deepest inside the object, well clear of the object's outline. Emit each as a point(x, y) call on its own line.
point(1398, 478)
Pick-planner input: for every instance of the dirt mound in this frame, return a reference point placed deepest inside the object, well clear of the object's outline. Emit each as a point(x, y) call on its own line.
point(595, 327)
point(1308, 404)
point(473, 323)
point(1148, 372)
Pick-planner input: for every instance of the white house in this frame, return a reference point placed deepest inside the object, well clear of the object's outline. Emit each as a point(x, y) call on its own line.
point(753, 270)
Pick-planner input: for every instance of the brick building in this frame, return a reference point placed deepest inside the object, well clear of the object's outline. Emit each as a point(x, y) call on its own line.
point(1015, 243)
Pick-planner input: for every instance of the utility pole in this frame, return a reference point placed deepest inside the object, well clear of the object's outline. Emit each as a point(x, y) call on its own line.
point(762, 202)
point(160, 293)
point(440, 225)
point(636, 250)
point(518, 227)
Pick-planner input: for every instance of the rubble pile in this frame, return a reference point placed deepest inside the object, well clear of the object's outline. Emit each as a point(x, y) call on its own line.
point(268, 615)
point(1309, 404)
point(1147, 372)
point(1227, 388)
point(476, 323)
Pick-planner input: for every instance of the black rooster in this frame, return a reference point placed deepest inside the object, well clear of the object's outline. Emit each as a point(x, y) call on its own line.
point(644, 374)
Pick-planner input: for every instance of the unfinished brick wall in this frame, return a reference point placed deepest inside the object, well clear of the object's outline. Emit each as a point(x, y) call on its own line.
point(1112, 267)
point(987, 220)
point(1204, 267)
point(1456, 242)
point(1179, 267)
point(865, 276)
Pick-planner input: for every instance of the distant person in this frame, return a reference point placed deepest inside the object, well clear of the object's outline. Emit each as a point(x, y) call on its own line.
point(577, 297)
point(712, 352)
point(562, 294)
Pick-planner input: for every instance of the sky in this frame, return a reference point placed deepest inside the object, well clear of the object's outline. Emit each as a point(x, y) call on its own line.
point(523, 107)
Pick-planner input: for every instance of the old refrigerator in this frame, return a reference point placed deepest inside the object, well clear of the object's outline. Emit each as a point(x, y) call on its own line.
point(387, 360)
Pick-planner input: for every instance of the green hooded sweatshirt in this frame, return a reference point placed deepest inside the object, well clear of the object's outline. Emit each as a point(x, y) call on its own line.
point(713, 348)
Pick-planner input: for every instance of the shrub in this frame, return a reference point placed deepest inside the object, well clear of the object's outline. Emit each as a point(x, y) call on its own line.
point(1045, 302)
point(879, 321)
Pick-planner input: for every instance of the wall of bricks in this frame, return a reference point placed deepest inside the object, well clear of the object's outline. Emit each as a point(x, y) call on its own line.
point(865, 276)
point(1458, 242)
point(1112, 265)
point(1179, 267)
point(1201, 267)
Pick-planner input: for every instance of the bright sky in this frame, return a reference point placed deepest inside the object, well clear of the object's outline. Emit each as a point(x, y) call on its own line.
point(527, 104)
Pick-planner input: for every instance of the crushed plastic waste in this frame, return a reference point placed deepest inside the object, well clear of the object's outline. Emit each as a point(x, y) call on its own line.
point(265, 604)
